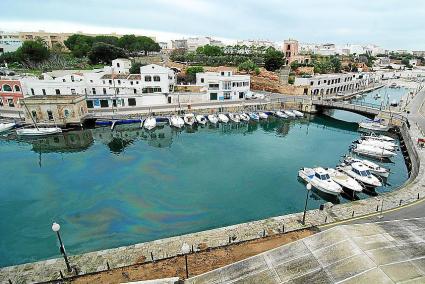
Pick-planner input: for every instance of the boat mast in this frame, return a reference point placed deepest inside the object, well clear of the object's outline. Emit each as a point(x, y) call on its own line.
point(32, 118)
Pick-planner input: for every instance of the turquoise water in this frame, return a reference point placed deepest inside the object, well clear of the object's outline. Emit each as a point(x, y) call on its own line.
point(386, 96)
point(109, 189)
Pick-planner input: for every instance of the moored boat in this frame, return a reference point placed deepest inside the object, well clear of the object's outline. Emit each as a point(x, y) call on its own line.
point(6, 126)
point(320, 179)
point(244, 116)
point(289, 113)
point(373, 167)
point(223, 118)
point(254, 116)
point(378, 137)
point(39, 131)
point(280, 114)
point(379, 144)
point(189, 119)
point(149, 123)
point(298, 113)
point(374, 126)
point(372, 151)
point(201, 119)
point(176, 121)
point(263, 115)
point(213, 118)
point(234, 117)
point(362, 174)
point(344, 180)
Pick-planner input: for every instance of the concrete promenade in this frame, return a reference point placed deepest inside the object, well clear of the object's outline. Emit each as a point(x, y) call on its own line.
point(413, 189)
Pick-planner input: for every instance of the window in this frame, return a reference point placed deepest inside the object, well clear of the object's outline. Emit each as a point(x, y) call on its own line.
point(58, 92)
point(89, 104)
point(241, 95)
point(44, 91)
point(73, 91)
point(66, 112)
point(134, 91)
point(34, 114)
point(213, 96)
point(32, 92)
point(93, 90)
point(227, 85)
point(118, 65)
point(63, 80)
point(119, 82)
point(213, 86)
point(104, 91)
point(110, 82)
point(202, 80)
point(131, 101)
point(156, 78)
point(50, 115)
point(91, 81)
point(222, 73)
point(104, 103)
point(311, 83)
point(103, 82)
point(17, 89)
point(131, 82)
point(10, 102)
point(7, 88)
point(148, 78)
point(226, 96)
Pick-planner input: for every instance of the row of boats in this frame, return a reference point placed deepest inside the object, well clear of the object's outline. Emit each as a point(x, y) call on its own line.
point(353, 175)
point(190, 119)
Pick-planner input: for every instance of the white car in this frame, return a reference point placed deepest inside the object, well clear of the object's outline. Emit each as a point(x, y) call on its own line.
point(250, 96)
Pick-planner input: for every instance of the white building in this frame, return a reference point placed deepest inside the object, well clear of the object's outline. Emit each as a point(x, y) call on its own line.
point(121, 65)
point(257, 43)
point(222, 86)
point(9, 42)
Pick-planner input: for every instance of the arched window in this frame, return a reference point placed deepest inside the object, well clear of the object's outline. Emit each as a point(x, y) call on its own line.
point(17, 89)
point(156, 78)
point(66, 112)
point(7, 88)
point(148, 78)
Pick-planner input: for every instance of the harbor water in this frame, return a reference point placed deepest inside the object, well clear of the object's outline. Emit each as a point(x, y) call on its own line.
point(114, 188)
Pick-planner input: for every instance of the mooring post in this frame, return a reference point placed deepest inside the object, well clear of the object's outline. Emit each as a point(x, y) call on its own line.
point(230, 240)
point(377, 208)
point(264, 233)
point(352, 215)
point(61, 274)
point(326, 219)
point(107, 265)
point(418, 195)
point(283, 228)
point(10, 281)
point(400, 202)
point(153, 260)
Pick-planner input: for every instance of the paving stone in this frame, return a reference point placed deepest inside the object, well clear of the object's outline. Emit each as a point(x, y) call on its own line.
point(287, 253)
point(419, 280)
point(402, 271)
point(416, 250)
point(325, 239)
point(315, 277)
point(297, 267)
point(336, 252)
point(374, 275)
point(363, 230)
point(349, 267)
point(373, 241)
point(264, 277)
point(213, 277)
point(387, 255)
point(243, 268)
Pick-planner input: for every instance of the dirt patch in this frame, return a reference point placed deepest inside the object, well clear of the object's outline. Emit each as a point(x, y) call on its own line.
point(198, 263)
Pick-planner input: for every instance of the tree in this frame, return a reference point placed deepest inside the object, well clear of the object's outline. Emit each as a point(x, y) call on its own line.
point(135, 67)
point(294, 65)
point(105, 53)
point(210, 50)
point(336, 64)
point(273, 59)
point(191, 72)
point(32, 51)
point(79, 45)
point(9, 57)
point(249, 66)
point(113, 40)
point(134, 43)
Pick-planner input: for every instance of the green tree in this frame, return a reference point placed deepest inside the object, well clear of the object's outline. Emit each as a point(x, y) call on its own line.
point(273, 59)
point(113, 40)
point(336, 64)
point(32, 51)
point(134, 43)
point(135, 67)
point(9, 57)
point(79, 45)
point(294, 65)
point(105, 53)
point(249, 66)
point(210, 50)
point(191, 72)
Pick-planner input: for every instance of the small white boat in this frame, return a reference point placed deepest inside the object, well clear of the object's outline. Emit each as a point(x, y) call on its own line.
point(234, 117)
point(374, 125)
point(6, 126)
point(281, 114)
point(373, 167)
point(289, 113)
point(378, 137)
point(320, 179)
point(254, 116)
point(189, 119)
point(344, 180)
point(223, 118)
point(201, 119)
point(176, 121)
point(298, 113)
point(149, 123)
point(362, 174)
point(263, 115)
point(379, 144)
point(213, 118)
point(40, 131)
point(371, 151)
point(244, 116)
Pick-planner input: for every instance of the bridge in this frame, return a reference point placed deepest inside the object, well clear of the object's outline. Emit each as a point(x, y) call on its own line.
point(366, 109)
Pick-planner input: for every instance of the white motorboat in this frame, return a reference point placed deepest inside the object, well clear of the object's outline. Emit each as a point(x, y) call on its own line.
point(201, 119)
point(149, 123)
point(234, 117)
point(223, 118)
point(189, 119)
point(254, 116)
point(289, 113)
point(374, 125)
point(244, 116)
point(373, 168)
point(379, 144)
point(344, 180)
point(213, 118)
point(263, 115)
point(176, 121)
point(320, 179)
point(298, 113)
point(6, 126)
point(362, 174)
point(281, 114)
point(39, 131)
point(372, 151)
point(378, 137)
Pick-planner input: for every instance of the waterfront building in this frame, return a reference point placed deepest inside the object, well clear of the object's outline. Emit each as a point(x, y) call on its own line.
point(331, 84)
point(55, 110)
point(223, 85)
point(10, 93)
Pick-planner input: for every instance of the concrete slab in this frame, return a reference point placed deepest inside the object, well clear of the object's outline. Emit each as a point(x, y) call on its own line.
point(374, 275)
point(402, 271)
point(243, 268)
point(337, 252)
point(325, 239)
point(373, 241)
point(262, 277)
point(416, 250)
point(349, 267)
point(297, 267)
point(287, 253)
point(317, 277)
point(362, 230)
point(419, 280)
point(387, 255)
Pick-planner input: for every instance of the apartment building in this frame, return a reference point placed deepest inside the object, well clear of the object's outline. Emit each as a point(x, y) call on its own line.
point(9, 42)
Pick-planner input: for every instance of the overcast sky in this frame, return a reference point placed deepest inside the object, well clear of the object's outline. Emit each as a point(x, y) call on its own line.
point(393, 24)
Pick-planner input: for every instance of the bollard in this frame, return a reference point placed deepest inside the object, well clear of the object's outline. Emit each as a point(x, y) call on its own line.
point(377, 208)
point(326, 219)
point(264, 233)
point(400, 202)
point(418, 195)
point(10, 281)
point(107, 265)
point(352, 215)
point(283, 228)
point(193, 249)
point(230, 240)
point(60, 272)
point(153, 260)
point(76, 270)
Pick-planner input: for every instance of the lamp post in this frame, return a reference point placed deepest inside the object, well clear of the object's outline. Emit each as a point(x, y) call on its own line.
point(185, 251)
point(55, 228)
point(308, 187)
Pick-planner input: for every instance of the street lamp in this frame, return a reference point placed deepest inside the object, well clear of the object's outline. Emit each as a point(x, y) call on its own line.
point(308, 186)
point(55, 228)
point(185, 251)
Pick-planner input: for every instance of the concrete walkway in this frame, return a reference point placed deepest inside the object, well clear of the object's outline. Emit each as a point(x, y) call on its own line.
point(385, 252)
